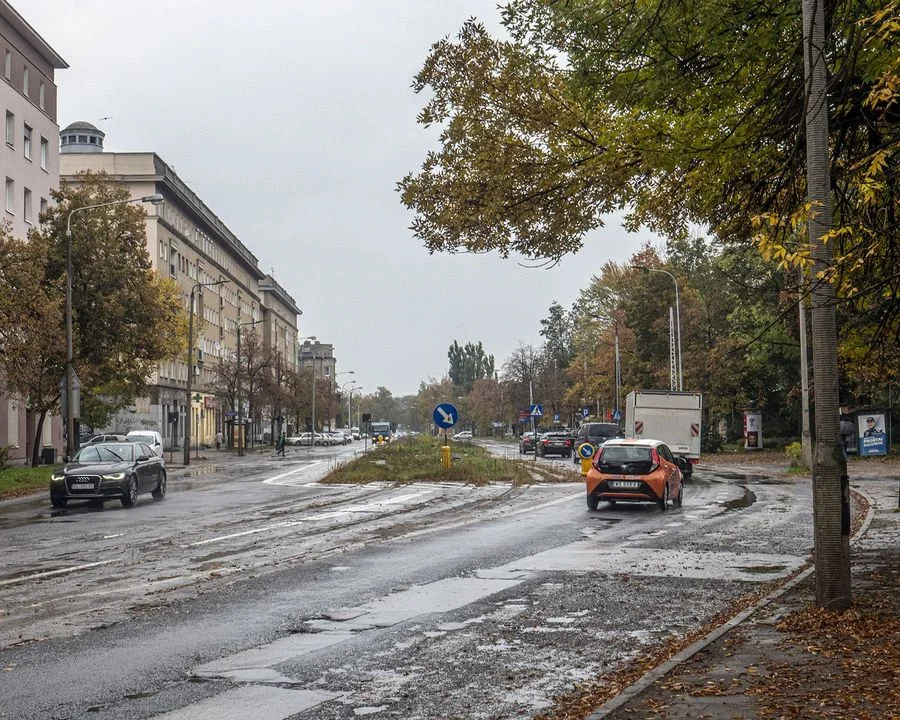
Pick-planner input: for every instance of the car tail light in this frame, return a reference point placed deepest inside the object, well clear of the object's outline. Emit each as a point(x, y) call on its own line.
point(654, 459)
point(597, 457)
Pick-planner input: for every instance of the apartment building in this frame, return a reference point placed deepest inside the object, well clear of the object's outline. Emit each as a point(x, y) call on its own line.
point(29, 169)
point(319, 358)
point(190, 244)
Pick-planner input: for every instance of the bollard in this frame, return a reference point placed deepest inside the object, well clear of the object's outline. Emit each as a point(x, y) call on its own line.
point(586, 453)
point(585, 466)
point(445, 457)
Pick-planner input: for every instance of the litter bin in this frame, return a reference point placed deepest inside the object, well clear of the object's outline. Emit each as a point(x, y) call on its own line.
point(48, 456)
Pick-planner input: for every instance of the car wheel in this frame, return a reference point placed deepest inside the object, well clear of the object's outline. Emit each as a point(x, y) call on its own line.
point(593, 502)
point(58, 502)
point(664, 501)
point(129, 498)
point(680, 498)
point(160, 491)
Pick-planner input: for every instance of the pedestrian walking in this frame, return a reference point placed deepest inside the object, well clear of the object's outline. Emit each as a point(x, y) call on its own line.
point(219, 440)
point(282, 441)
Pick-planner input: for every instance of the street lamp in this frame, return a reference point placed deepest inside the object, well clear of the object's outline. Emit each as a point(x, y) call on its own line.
point(349, 396)
point(190, 369)
point(240, 408)
point(333, 386)
point(677, 315)
point(312, 435)
point(155, 199)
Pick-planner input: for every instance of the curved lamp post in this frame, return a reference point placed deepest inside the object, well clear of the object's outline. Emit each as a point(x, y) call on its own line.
point(333, 386)
point(155, 199)
point(351, 383)
point(190, 369)
point(240, 408)
point(677, 315)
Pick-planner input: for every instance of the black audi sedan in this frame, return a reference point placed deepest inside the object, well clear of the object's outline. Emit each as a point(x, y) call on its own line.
point(102, 471)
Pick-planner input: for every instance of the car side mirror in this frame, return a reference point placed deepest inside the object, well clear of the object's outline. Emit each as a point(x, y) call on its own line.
point(143, 458)
point(681, 462)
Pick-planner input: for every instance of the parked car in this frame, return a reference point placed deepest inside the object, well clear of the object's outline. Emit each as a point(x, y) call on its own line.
point(635, 471)
point(150, 437)
point(339, 437)
point(105, 438)
point(526, 442)
point(101, 471)
point(354, 432)
point(595, 433)
point(463, 435)
point(555, 443)
point(321, 439)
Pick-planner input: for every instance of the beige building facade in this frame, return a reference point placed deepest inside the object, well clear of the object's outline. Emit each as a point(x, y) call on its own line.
point(29, 170)
point(190, 244)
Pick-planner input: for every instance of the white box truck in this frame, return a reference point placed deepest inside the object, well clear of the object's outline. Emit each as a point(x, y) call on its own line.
point(673, 417)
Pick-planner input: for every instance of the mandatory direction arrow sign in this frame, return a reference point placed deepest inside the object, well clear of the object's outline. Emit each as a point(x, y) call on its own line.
point(445, 415)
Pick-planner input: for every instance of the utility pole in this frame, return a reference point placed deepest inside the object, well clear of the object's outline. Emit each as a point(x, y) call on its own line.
point(831, 487)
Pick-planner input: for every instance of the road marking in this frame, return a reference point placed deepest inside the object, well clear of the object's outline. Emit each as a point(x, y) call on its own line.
point(51, 573)
point(373, 506)
point(260, 703)
point(276, 526)
point(303, 468)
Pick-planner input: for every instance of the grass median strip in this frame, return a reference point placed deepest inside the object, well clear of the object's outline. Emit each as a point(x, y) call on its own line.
point(16, 481)
point(418, 458)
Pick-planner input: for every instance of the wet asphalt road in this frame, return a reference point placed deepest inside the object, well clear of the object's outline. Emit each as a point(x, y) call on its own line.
point(254, 592)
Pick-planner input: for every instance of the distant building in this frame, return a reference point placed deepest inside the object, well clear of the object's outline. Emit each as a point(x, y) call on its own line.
point(30, 169)
point(190, 244)
point(319, 357)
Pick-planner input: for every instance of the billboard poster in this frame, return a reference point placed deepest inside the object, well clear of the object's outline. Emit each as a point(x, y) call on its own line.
point(752, 431)
point(872, 435)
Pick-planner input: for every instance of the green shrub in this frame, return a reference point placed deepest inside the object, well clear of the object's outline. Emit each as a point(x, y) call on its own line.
point(4, 456)
point(794, 452)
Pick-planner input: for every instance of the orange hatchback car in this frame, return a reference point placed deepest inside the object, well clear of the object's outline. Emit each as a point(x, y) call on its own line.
point(635, 471)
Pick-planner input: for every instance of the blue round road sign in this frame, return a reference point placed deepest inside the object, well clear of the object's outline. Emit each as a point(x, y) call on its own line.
point(586, 451)
point(445, 416)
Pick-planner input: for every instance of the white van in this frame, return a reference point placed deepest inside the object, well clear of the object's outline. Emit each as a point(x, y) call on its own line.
point(150, 437)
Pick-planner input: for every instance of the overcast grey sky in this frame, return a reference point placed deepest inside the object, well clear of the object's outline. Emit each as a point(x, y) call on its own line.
point(293, 120)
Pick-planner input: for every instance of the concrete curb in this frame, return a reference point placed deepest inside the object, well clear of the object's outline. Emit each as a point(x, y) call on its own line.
point(656, 673)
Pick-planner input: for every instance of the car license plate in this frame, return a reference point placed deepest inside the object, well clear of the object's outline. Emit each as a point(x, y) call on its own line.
point(624, 483)
point(82, 486)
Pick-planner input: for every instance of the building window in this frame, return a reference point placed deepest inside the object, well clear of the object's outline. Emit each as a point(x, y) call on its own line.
point(26, 206)
point(7, 66)
point(26, 143)
point(45, 151)
point(41, 95)
point(25, 81)
point(43, 205)
point(10, 196)
point(10, 129)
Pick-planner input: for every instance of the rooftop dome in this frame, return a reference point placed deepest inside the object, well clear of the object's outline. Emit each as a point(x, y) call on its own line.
point(81, 137)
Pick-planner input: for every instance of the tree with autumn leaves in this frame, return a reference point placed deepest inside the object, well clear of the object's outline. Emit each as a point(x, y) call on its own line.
point(684, 116)
point(126, 319)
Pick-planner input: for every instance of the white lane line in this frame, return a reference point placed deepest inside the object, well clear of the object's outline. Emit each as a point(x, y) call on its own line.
point(303, 468)
point(287, 523)
point(51, 573)
point(373, 506)
point(260, 703)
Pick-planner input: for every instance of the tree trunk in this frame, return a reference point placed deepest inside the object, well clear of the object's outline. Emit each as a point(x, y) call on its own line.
point(37, 445)
point(831, 511)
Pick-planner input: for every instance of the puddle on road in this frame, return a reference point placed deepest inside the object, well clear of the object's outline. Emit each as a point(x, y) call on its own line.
point(740, 503)
point(763, 569)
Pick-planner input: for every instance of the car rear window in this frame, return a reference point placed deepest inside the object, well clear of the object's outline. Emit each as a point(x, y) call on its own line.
point(609, 430)
point(141, 438)
point(620, 455)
